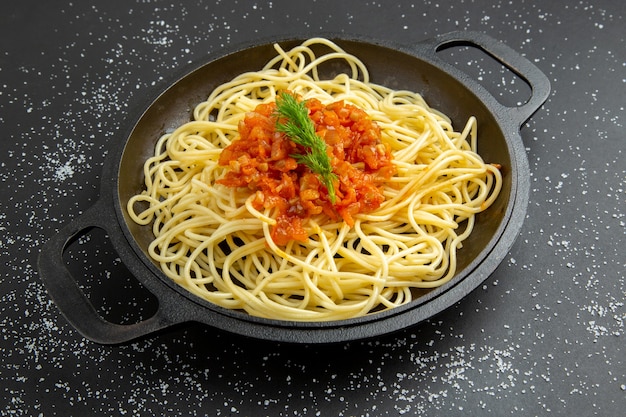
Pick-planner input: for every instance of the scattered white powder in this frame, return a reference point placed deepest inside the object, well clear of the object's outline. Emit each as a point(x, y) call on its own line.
point(527, 340)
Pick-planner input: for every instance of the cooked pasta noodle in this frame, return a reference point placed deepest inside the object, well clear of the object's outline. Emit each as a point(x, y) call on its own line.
point(215, 242)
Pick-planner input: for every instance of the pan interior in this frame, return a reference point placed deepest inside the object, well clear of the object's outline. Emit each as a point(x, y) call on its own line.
point(387, 66)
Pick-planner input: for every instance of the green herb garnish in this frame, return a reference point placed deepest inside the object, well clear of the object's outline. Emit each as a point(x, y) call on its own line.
point(294, 122)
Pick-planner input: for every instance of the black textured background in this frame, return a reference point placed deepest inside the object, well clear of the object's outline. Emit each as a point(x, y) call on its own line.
point(543, 336)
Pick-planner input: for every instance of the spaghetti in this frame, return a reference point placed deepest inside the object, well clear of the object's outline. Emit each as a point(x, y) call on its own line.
point(215, 232)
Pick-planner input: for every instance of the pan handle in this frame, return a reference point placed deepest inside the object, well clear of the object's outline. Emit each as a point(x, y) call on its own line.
point(72, 301)
point(534, 77)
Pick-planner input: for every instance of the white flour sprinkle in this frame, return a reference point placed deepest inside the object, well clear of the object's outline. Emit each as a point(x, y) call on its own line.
point(543, 336)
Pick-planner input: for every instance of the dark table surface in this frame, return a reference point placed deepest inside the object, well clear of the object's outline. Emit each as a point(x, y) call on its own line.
point(544, 335)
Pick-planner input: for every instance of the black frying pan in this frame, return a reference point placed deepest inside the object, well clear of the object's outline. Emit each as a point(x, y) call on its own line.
point(415, 67)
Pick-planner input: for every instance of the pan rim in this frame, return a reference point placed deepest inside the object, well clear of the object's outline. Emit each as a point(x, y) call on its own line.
point(486, 261)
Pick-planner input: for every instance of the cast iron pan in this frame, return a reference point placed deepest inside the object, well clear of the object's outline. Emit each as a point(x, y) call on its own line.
point(415, 67)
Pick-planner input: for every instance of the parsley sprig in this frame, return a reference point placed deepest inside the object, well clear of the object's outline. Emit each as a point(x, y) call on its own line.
point(294, 122)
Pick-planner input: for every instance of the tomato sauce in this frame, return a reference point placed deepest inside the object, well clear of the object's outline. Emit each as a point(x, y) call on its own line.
point(260, 161)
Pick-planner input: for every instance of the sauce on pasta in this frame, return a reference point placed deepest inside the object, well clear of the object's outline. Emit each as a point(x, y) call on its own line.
point(261, 160)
